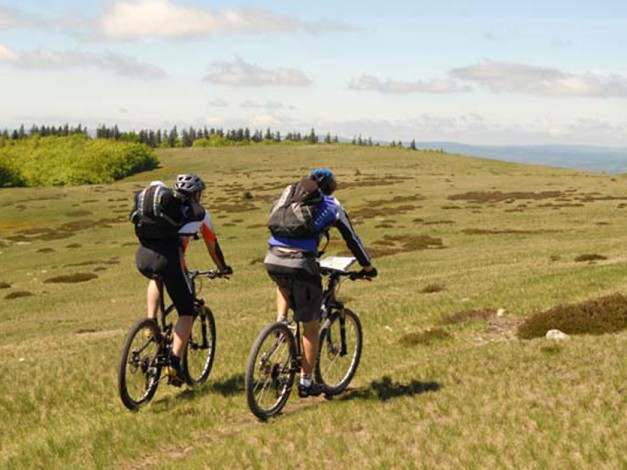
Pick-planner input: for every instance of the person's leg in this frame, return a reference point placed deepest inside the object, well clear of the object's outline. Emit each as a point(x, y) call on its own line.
point(181, 334)
point(310, 347)
point(281, 305)
point(152, 299)
point(180, 291)
point(307, 295)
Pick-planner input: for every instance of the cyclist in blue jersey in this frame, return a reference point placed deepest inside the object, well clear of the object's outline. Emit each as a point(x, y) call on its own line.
point(292, 265)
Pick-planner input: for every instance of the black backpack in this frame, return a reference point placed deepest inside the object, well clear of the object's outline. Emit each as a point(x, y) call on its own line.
point(157, 214)
point(292, 214)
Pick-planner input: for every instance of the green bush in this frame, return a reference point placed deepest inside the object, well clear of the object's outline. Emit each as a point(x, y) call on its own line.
point(9, 176)
point(73, 160)
point(603, 315)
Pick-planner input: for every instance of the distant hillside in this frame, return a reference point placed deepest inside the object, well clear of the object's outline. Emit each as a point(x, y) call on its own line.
point(579, 157)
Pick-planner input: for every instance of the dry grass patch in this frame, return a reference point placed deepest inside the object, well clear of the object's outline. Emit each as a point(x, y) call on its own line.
point(431, 288)
point(438, 222)
point(425, 337)
point(486, 231)
point(89, 263)
point(72, 278)
point(17, 294)
point(372, 212)
point(373, 181)
point(4, 285)
point(589, 257)
point(469, 315)
point(499, 196)
point(599, 316)
point(394, 244)
point(230, 208)
point(79, 213)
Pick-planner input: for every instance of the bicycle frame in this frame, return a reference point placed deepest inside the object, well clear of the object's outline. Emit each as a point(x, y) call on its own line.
point(330, 307)
point(167, 328)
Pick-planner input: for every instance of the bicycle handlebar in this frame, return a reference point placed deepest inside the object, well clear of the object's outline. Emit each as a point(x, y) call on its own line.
point(209, 273)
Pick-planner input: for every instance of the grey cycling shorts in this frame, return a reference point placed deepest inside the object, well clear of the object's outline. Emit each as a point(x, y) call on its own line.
point(297, 276)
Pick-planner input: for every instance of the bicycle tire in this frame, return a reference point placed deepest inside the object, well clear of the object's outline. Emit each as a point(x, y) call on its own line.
point(335, 366)
point(270, 370)
point(201, 347)
point(139, 373)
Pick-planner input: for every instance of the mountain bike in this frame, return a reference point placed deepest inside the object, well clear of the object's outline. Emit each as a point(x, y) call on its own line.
point(276, 355)
point(148, 347)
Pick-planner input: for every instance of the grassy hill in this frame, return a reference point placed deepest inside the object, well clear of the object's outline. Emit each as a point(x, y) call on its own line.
point(443, 382)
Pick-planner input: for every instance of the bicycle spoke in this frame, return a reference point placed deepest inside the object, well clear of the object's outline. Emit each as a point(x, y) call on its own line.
point(200, 351)
point(140, 368)
point(340, 351)
point(269, 375)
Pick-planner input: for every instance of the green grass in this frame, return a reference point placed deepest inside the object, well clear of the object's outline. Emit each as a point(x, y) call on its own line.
point(470, 395)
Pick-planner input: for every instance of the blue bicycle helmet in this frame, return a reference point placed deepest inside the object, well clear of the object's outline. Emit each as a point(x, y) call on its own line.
point(325, 179)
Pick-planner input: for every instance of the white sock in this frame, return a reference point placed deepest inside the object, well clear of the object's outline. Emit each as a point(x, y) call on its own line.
point(305, 380)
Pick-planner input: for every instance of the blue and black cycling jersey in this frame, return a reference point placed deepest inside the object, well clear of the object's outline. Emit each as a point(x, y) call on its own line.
point(329, 213)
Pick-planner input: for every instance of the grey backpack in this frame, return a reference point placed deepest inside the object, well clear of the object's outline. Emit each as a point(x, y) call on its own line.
point(292, 214)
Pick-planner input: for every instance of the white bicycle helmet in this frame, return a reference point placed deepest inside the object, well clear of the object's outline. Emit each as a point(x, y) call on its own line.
point(188, 184)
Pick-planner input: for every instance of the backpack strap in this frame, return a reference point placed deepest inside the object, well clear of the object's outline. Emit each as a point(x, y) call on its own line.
point(157, 207)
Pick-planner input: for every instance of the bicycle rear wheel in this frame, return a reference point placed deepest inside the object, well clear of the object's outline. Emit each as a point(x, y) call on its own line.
point(201, 347)
point(340, 350)
point(270, 371)
point(139, 372)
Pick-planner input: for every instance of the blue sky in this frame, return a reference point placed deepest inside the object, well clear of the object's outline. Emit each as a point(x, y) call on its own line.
point(482, 72)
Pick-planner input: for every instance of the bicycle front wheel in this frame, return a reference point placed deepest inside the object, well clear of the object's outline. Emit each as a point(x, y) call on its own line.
point(340, 351)
point(270, 371)
point(201, 347)
point(139, 372)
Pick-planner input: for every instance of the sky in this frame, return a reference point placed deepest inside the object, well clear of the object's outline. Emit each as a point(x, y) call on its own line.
point(481, 72)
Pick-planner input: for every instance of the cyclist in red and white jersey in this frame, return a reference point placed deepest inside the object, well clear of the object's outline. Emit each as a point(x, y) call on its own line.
point(164, 260)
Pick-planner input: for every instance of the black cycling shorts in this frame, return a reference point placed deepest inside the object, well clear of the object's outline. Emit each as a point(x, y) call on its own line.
point(298, 278)
point(164, 261)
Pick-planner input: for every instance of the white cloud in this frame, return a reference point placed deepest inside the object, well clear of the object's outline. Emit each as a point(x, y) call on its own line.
point(134, 19)
point(370, 83)
point(504, 77)
point(241, 73)
point(267, 120)
point(8, 17)
point(45, 58)
point(267, 105)
point(7, 55)
point(218, 103)
point(596, 127)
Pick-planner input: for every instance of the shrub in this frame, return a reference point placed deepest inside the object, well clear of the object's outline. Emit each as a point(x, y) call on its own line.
point(9, 176)
point(603, 315)
point(72, 160)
